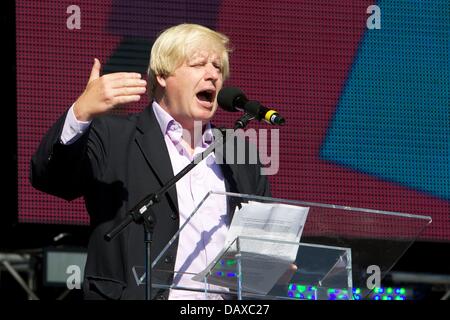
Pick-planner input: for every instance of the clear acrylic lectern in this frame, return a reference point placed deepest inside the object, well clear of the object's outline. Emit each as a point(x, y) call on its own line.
point(340, 248)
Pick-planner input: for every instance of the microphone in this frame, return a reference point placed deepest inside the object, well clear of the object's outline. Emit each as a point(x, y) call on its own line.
point(233, 99)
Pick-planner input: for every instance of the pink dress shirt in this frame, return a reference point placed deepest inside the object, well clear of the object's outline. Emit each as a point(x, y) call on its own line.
point(204, 236)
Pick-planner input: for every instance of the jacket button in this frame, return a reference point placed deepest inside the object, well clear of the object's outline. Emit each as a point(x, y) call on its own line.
point(168, 259)
point(173, 216)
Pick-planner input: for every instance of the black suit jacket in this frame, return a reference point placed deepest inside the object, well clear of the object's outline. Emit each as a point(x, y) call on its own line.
point(115, 164)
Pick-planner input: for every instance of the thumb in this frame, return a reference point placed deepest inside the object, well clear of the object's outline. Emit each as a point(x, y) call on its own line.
point(95, 72)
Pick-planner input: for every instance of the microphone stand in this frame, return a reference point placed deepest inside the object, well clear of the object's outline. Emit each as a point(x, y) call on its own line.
point(142, 213)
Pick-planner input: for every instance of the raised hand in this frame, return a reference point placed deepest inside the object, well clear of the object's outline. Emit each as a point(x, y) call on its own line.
point(104, 93)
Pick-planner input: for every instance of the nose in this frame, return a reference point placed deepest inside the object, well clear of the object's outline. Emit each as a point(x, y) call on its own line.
point(212, 72)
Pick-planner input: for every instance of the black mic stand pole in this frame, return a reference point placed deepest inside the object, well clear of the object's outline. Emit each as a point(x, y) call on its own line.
point(142, 212)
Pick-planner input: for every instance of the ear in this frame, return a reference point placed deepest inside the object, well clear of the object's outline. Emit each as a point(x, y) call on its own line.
point(161, 81)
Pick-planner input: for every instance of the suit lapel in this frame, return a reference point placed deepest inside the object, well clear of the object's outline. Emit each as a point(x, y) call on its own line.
point(150, 141)
point(230, 186)
point(230, 175)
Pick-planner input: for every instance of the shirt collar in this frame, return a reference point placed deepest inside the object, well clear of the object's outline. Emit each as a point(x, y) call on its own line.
point(164, 119)
point(168, 123)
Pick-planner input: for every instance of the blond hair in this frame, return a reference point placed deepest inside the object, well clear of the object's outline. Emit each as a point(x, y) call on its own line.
point(177, 43)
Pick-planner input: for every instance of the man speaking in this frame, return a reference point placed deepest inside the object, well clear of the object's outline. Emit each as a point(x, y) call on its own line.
point(114, 162)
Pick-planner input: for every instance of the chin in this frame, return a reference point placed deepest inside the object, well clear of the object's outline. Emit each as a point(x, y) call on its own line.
point(204, 116)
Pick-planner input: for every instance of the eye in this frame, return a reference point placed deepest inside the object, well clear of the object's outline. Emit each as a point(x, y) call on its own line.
point(197, 63)
point(218, 66)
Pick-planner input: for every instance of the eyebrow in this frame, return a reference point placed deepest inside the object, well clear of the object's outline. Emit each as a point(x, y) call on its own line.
point(196, 59)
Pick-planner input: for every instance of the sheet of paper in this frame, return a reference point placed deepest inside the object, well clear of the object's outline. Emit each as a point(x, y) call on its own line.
point(269, 222)
point(266, 257)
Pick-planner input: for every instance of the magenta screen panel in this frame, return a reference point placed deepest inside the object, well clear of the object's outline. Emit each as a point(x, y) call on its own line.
point(316, 61)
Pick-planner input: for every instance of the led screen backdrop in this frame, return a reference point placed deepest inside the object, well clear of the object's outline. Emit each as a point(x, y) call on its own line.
point(367, 109)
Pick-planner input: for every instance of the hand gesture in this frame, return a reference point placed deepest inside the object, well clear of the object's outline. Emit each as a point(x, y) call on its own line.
point(104, 93)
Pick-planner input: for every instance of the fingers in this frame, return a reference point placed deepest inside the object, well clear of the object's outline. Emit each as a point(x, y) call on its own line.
point(113, 89)
point(124, 83)
point(95, 72)
point(126, 99)
point(128, 82)
point(122, 75)
point(104, 93)
point(120, 84)
point(127, 91)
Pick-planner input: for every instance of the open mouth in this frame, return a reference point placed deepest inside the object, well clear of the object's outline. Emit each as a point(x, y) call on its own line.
point(206, 95)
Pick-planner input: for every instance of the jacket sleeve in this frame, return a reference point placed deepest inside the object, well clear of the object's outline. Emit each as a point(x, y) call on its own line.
point(65, 170)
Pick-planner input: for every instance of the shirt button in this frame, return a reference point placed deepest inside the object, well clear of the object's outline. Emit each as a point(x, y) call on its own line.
point(173, 216)
point(168, 259)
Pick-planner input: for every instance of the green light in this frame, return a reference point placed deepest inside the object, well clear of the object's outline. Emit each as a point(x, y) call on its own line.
point(389, 290)
point(297, 295)
point(330, 290)
point(384, 298)
point(231, 262)
point(402, 291)
point(309, 297)
point(313, 288)
point(291, 286)
point(398, 298)
point(358, 291)
point(301, 288)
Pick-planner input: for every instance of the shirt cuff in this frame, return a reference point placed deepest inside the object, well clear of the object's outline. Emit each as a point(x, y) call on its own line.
point(73, 129)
